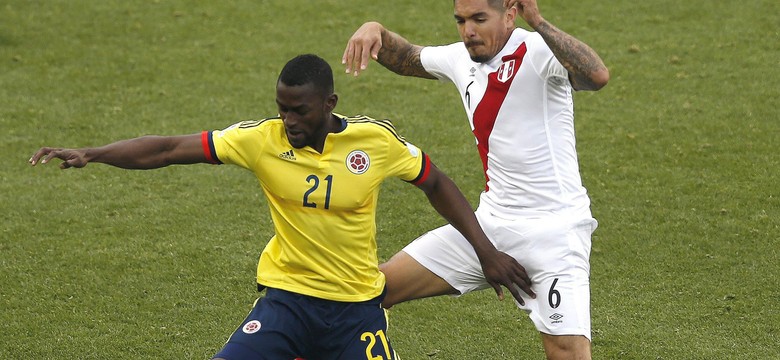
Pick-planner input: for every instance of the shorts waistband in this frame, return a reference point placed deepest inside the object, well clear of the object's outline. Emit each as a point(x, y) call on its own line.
point(279, 293)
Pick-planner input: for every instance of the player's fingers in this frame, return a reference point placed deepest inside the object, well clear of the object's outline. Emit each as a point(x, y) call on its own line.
point(356, 60)
point(365, 54)
point(515, 293)
point(50, 155)
point(375, 49)
point(519, 277)
point(344, 55)
point(348, 56)
point(38, 154)
point(517, 4)
point(34, 158)
point(524, 282)
point(498, 289)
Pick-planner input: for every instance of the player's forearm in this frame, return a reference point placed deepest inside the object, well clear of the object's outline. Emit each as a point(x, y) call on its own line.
point(447, 199)
point(400, 56)
point(586, 69)
point(147, 152)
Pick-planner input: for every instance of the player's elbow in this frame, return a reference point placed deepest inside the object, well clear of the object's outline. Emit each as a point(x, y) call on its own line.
point(591, 81)
point(599, 79)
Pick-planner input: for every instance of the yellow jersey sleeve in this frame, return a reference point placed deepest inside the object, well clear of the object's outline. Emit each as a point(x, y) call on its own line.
point(239, 144)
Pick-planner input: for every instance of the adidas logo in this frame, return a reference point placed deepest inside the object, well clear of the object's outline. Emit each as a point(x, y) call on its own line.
point(287, 155)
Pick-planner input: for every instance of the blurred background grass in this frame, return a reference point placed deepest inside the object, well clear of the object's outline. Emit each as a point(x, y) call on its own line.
point(678, 153)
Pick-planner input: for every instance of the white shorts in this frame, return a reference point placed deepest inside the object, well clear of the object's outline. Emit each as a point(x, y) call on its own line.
point(555, 251)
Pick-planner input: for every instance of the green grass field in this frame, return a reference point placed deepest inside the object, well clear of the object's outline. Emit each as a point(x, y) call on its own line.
point(679, 154)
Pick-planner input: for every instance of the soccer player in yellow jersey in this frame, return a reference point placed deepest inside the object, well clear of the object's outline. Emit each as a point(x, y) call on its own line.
point(321, 174)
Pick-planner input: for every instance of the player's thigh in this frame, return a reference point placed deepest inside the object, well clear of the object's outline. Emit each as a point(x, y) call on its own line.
point(236, 351)
point(362, 331)
point(562, 304)
point(407, 280)
point(555, 252)
point(447, 254)
point(270, 331)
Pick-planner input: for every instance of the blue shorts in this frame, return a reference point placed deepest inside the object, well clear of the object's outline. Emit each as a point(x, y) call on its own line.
point(285, 325)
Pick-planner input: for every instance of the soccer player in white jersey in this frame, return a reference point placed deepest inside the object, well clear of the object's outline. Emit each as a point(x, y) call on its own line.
point(321, 173)
point(516, 87)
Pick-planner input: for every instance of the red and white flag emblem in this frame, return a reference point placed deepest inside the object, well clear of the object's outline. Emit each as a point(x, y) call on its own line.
point(506, 71)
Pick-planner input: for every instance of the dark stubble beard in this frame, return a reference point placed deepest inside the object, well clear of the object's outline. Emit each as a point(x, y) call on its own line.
point(480, 58)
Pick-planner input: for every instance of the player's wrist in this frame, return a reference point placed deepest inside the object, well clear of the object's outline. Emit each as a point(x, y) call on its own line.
point(535, 21)
point(486, 252)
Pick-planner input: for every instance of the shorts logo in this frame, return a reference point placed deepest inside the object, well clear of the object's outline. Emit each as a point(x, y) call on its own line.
point(358, 162)
point(251, 327)
point(556, 318)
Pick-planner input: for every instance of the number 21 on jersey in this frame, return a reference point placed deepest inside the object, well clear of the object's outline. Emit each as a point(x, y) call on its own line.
point(314, 182)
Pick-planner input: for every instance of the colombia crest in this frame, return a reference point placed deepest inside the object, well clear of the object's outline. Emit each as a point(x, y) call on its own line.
point(358, 162)
point(252, 327)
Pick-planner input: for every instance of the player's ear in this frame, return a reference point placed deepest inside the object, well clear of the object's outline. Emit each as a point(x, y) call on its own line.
point(331, 101)
point(511, 15)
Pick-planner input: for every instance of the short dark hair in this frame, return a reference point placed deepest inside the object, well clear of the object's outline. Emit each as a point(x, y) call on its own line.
point(308, 69)
point(495, 4)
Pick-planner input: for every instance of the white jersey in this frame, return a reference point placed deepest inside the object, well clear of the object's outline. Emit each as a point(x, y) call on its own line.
point(521, 111)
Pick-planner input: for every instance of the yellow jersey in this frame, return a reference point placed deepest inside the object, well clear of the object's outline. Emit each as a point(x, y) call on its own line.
point(323, 205)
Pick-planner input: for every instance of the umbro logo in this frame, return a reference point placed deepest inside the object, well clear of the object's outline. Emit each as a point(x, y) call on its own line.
point(287, 155)
point(556, 318)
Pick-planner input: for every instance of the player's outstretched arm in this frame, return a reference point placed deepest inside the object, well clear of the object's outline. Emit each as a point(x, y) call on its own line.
point(147, 152)
point(586, 69)
point(373, 41)
point(499, 268)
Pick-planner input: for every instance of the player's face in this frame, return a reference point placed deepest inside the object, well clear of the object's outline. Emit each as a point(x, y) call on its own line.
point(483, 29)
point(306, 113)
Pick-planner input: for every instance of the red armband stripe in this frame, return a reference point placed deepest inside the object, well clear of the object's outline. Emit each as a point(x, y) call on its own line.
point(424, 171)
point(208, 147)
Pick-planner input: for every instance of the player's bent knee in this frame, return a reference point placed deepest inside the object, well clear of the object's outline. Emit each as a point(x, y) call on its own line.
point(566, 347)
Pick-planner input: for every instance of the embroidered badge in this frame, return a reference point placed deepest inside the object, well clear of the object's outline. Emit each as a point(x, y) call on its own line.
point(251, 327)
point(358, 162)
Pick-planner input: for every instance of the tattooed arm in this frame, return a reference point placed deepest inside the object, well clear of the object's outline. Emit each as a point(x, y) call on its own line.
point(586, 69)
point(387, 48)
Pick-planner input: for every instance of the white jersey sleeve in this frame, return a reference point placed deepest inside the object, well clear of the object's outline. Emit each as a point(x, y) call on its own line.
point(439, 60)
point(543, 60)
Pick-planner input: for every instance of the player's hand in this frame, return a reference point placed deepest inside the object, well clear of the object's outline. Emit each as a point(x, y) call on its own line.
point(502, 269)
point(527, 9)
point(70, 157)
point(365, 42)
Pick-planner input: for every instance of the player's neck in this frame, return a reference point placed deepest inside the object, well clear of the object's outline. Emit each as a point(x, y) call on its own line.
point(506, 41)
point(334, 124)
